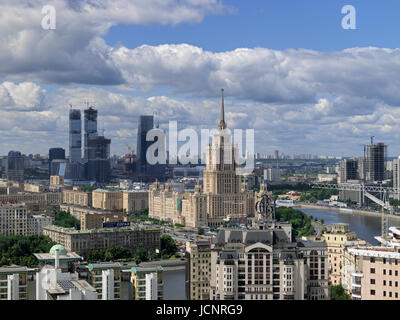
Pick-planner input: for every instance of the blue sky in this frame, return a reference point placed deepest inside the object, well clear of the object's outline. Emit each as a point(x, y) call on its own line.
point(289, 69)
point(283, 24)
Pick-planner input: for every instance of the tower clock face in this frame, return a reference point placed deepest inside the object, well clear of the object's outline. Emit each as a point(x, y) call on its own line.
point(265, 206)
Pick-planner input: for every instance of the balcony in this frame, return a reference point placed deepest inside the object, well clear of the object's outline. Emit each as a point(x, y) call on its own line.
point(355, 274)
point(356, 296)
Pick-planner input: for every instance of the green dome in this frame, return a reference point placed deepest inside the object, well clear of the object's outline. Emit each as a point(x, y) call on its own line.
point(61, 249)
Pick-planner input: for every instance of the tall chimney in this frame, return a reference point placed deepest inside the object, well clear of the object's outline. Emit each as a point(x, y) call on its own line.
point(57, 259)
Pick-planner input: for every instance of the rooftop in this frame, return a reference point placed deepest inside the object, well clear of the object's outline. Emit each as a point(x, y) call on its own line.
point(13, 269)
point(133, 227)
point(104, 265)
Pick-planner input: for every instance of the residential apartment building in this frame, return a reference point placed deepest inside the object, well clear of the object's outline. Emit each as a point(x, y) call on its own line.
point(36, 223)
point(337, 239)
point(35, 187)
point(46, 198)
point(13, 219)
point(135, 201)
point(107, 200)
point(198, 270)
point(83, 241)
point(147, 283)
point(264, 263)
point(13, 283)
point(57, 180)
point(105, 277)
point(54, 283)
point(91, 220)
point(77, 197)
point(373, 272)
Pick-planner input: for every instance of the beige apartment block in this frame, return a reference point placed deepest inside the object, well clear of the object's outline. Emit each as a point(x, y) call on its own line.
point(95, 220)
point(198, 270)
point(107, 200)
point(57, 180)
point(373, 272)
point(84, 241)
point(77, 197)
point(135, 201)
point(13, 219)
point(264, 263)
point(337, 239)
point(35, 187)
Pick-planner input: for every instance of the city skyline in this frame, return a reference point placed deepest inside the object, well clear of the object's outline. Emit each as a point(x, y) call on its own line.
point(304, 91)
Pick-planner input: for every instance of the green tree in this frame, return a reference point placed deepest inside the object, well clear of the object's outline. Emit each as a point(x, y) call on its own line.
point(200, 231)
point(301, 223)
point(168, 246)
point(64, 219)
point(338, 293)
point(19, 249)
point(141, 256)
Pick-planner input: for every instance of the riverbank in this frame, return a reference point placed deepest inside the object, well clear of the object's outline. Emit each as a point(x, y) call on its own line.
point(345, 210)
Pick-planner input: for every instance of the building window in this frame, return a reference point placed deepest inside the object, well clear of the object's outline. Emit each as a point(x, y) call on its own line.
point(372, 270)
point(372, 292)
point(372, 281)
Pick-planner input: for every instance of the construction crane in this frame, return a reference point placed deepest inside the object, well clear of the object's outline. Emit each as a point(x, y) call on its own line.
point(384, 203)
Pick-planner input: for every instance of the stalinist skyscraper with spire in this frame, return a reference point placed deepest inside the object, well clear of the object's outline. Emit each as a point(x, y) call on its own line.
point(222, 195)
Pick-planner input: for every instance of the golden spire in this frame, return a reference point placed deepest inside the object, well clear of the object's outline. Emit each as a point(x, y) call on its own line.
point(222, 124)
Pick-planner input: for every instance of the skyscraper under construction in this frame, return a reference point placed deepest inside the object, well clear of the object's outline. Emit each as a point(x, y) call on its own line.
point(375, 162)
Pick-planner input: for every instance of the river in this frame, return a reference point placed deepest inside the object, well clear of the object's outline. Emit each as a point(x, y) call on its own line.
point(366, 226)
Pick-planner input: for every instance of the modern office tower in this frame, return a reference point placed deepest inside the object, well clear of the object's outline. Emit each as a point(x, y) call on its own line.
point(98, 164)
point(198, 270)
point(146, 123)
point(58, 167)
point(276, 154)
point(15, 166)
point(105, 277)
point(13, 219)
point(55, 154)
point(54, 283)
point(145, 170)
point(361, 168)
point(13, 283)
point(90, 130)
point(373, 272)
point(83, 241)
point(396, 177)
point(147, 283)
point(348, 170)
point(337, 239)
point(265, 264)
point(375, 162)
point(75, 136)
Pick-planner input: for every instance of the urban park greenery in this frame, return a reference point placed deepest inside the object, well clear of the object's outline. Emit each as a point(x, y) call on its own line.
point(66, 220)
point(301, 222)
point(19, 250)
